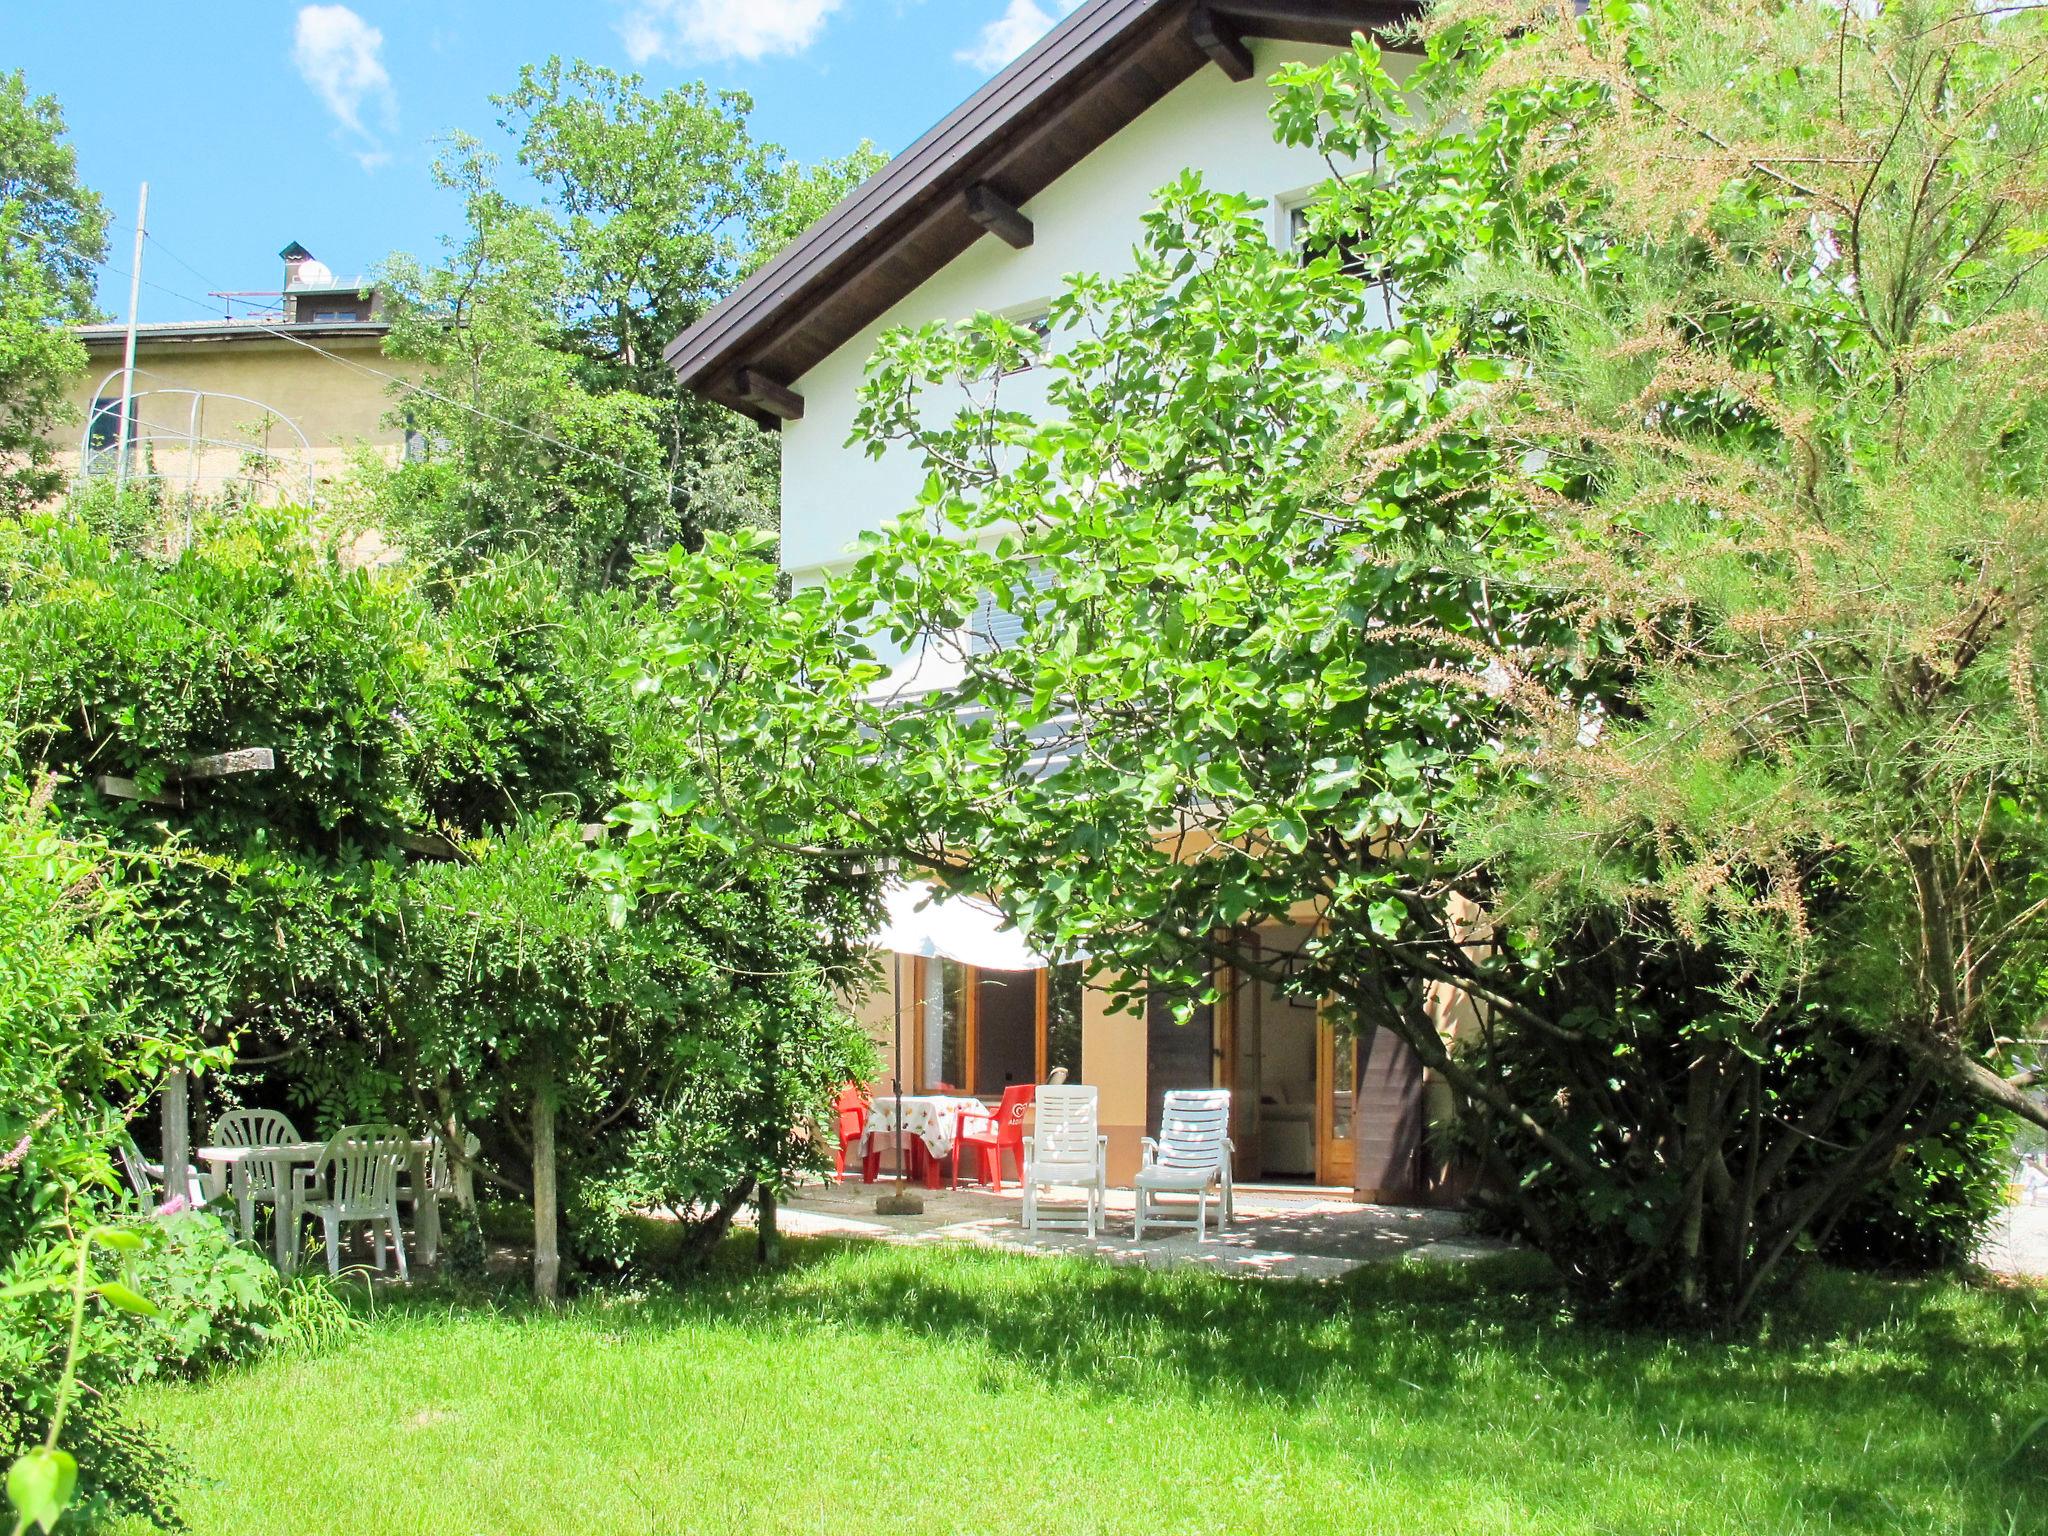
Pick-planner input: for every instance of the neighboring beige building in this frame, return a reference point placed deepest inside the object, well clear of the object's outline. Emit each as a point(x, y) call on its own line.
point(277, 397)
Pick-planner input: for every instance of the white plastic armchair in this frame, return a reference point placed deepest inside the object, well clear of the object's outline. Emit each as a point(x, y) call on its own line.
point(440, 1175)
point(1066, 1147)
point(1190, 1156)
point(146, 1179)
point(355, 1180)
point(256, 1183)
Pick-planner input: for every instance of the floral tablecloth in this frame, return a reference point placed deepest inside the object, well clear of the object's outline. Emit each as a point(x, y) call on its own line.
point(933, 1118)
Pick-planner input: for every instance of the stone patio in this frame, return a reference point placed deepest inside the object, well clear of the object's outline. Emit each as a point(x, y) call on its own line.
point(1283, 1233)
point(2018, 1244)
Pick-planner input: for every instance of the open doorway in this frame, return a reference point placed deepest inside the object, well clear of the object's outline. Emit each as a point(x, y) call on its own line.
point(1293, 1079)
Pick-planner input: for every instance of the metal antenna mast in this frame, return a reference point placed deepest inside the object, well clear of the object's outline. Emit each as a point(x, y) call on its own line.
point(128, 355)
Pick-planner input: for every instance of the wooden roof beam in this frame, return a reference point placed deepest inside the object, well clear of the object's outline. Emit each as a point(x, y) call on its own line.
point(1224, 44)
point(754, 388)
point(999, 216)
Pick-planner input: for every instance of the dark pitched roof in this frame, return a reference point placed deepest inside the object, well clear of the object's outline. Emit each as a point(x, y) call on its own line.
point(1085, 80)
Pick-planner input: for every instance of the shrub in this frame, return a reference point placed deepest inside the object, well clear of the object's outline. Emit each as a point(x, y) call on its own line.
point(123, 1468)
point(1934, 1208)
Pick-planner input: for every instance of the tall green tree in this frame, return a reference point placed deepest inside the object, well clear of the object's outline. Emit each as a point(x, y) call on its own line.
point(1638, 640)
point(555, 425)
point(52, 236)
point(667, 1048)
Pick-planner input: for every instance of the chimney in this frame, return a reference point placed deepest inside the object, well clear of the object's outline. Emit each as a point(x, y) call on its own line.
point(295, 257)
point(296, 260)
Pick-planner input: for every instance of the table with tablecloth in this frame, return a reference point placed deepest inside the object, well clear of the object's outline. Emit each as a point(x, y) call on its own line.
point(932, 1118)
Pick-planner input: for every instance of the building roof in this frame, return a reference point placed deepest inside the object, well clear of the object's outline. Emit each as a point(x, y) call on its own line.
point(1087, 79)
point(115, 334)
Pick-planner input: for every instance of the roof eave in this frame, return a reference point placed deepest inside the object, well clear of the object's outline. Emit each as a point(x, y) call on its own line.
point(1130, 51)
point(117, 335)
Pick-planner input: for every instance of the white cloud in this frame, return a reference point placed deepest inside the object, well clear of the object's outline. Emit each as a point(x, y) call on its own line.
point(339, 56)
point(1022, 23)
point(723, 29)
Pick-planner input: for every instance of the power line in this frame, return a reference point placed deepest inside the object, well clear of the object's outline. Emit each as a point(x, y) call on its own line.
point(181, 261)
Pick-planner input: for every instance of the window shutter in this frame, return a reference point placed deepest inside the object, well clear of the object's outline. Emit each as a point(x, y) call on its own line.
point(995, 629)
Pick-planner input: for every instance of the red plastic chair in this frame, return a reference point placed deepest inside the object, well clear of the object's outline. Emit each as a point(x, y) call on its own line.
point(850, 1110)
point(993, 1135)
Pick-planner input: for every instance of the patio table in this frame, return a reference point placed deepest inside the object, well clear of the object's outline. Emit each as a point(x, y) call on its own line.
point(933, 1118)
point(230, 1174)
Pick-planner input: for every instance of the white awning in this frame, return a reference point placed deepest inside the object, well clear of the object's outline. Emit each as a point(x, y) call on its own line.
point(919, 919)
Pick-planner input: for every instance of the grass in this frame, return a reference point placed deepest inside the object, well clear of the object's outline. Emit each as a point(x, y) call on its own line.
point(950, 1390)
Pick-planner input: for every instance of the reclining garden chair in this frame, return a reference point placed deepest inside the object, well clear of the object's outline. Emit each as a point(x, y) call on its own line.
point(146, 1179)
point(1066, 1147)
point(1190, 1156)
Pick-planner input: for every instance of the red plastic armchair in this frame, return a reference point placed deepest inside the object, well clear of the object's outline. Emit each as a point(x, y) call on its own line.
point(993, 1135)
point(850, 1114)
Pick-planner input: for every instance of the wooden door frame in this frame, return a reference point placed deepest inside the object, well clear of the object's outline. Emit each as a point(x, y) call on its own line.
point(970, 1027)
point(1327, 1142)
point(1044, 1020)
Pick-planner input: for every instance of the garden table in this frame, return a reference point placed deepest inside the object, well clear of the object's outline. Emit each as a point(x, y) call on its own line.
point(230, 1174)
point(933, 1118)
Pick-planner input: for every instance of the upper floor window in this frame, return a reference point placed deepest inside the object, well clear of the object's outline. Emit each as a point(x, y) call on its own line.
point(111, 419)
point(1039, 323)
point(104, 429)
point(1384, 302)
point(995, 628)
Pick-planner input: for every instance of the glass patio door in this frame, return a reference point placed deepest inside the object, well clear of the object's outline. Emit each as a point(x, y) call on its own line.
point(1336, 1095)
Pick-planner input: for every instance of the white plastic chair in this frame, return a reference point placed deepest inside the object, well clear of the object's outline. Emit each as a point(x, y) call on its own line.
point(147, 1179)
point(1066, 1147)
point(261, 1182)
point(1190, 1156)
point(355, 1180)
point(440, 1176)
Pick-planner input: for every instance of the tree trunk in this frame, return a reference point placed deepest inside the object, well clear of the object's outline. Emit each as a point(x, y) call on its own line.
point(710, 1232)
point(177, 1134)
point(463, 1170)
point(547, 1258)
point(767, 1240)
point(456, 1140)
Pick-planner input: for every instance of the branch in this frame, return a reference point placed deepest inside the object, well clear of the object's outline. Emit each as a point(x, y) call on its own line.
point(1478, 991)
point(1422, 1038)
point(1978, 1080)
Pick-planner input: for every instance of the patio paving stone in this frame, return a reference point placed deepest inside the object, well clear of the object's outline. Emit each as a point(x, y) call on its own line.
point(1295, 1234)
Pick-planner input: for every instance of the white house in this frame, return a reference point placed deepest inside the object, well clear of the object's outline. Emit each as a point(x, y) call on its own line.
point(1046, 171)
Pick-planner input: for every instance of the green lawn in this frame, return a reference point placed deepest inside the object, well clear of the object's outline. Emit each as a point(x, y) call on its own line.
point(945, 1390)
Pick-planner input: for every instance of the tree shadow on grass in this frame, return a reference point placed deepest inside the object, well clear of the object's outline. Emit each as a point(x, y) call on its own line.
point(1871, 1395)
point(1870, 1388)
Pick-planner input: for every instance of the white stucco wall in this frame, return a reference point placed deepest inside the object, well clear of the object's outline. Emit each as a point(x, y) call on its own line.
point(1087, 221)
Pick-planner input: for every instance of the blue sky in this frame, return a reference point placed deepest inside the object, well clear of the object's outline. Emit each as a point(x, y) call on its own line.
point(258, 122)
